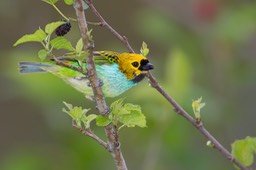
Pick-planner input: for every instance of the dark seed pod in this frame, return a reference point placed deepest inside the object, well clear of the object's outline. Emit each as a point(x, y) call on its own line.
point(63, 29)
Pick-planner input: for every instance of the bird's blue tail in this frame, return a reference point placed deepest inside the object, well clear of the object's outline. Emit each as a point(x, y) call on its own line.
point(27, 67)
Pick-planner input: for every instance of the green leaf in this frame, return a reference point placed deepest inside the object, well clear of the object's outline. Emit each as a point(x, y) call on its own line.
point(42, 54)
point(209, 144)
point(133, 116)
point(89, 33)
point(244, 150)
point(51, 27)
point(197, 105)
point(91, 117)
point(61, 43)
point(116, 106)
point(38, 36)
point(77, 113)
point(69, 2)
point(79, 45)
point(69, 106)
point(102, 121)
point(50, 1)
point(144, 49)
point(81, 57)
point(88, 119)
point(128, 114)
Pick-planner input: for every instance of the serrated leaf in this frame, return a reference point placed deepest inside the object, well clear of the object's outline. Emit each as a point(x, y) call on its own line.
point(144, 49)
point(123, 111)
point(127, 108)
point(91, 117)
point(102, 121)
point(51, 27)
point(42, 54)
point(88, 119)
point(134, 119)
point(50, 1)
point(77, 113)
point(69, 2)
point(79, 45)
point(135, 116)
point(116, 106)
point(128, 114)
point(38, 36)
point(132, 107)
point(61, 43)
point(244, 150)
point(115, 110)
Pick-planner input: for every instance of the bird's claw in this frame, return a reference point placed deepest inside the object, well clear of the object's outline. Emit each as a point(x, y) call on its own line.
point(101, 83)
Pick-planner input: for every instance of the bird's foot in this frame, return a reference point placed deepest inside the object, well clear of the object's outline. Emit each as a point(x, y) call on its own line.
point(101, 83)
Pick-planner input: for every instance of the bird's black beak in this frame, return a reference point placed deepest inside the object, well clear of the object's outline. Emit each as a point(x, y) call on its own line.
point(147, 67)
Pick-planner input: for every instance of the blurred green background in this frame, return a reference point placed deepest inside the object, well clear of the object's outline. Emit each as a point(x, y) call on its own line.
point(199, 48)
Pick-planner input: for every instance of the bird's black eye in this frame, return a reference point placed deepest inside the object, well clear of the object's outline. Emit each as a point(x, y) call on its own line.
point(135, 64)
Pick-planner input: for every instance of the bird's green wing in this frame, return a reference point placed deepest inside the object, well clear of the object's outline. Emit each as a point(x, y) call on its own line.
point(100, 57)
point(106, 56)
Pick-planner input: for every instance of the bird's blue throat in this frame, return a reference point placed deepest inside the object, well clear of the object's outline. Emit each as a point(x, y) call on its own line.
point(114, 81)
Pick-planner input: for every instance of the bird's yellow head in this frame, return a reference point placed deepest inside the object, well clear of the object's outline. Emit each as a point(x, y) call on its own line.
point(132, 65)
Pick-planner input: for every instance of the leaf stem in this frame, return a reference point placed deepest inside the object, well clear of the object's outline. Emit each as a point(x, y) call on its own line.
point(45, 47)
point(57, 9)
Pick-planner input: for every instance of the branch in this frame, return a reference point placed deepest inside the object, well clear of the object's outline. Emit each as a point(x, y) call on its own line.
point(59, 62)
point(110, 130)
point(177, 108)
point(198, 124)
point(91, 134)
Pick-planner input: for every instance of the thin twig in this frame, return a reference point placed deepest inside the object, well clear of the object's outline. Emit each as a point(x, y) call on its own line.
point(59, 62)
point(96, 23)
point(110, 130)
point(91, 134)
point(178, 109)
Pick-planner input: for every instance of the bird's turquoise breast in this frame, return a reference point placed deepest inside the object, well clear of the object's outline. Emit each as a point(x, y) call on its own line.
point(114, 81)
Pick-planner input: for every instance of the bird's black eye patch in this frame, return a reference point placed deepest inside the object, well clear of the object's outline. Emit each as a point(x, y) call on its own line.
point(135, 64)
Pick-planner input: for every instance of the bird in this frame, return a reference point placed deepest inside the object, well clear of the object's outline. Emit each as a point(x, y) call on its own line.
point(118, 72)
